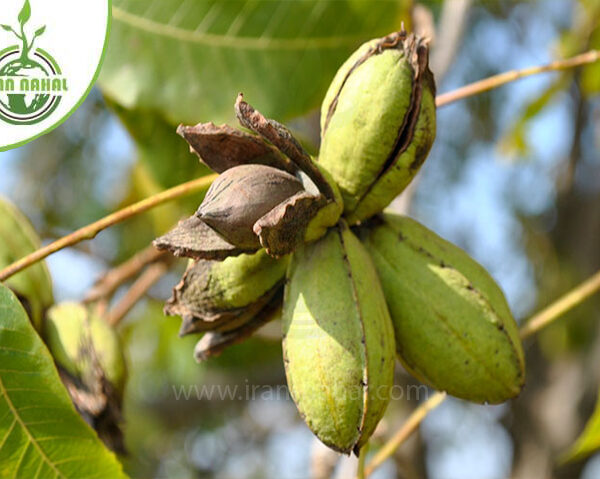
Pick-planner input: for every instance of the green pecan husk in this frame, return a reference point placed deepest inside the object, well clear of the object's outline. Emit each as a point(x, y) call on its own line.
point(91, 364)
point(378, 122)
point(224, 295)
point(453, 327)
point(338, 340)
point(84, 345)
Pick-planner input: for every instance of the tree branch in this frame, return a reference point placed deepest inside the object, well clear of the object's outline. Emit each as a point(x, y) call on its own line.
point(501, 79)
point(409, 426)
point(137, 291)
point(116, 276)
point(91, 230)
point(561, 306)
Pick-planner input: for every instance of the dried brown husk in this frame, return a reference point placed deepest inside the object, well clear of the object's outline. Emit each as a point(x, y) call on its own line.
point(223, 147)
point(213, 343)
point(242, 195)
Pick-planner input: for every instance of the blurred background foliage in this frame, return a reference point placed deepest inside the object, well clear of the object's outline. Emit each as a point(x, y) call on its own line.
point(513, 178)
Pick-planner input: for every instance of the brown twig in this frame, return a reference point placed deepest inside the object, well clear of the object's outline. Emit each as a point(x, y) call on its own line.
point(136, 292)
point(91, 230)
point(507, 77)
point(409, 426)
point(115, 277)
point(561, 306)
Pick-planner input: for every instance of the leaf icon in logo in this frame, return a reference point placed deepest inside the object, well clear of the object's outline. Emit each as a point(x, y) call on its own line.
point(40, 31)
point(8, 28)
point(25, 13)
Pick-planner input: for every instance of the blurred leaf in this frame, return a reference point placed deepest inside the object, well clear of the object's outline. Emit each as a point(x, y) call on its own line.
point(41, 434)
point(159, 357)
point(139, 231)
point(25, 13)
point(589, 440)
point(160, 148)
point(590, 76)
point(584, 35)
point(189, 60)
point(590, 79)
point(18, 239)
point(40, 31)
point(8, 28)
point(164, 161)
point(165, 216)
point(515, 143)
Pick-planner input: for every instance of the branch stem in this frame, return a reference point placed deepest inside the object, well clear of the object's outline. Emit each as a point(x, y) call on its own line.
point(91, 230)
point(116, 276)
point(510, 76)
point(561, 306)
point(409, 426)
point(137, 291)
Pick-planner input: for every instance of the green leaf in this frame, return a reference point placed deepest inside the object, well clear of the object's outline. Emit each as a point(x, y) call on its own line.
point(189, 60)
point(589, 440)
point(8, 28)
point(41, 435)
point(25, 13)
point(18, 239)
point(40, 31)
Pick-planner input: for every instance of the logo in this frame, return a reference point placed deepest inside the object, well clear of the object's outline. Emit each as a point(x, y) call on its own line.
point(31, 85)
point(50, 55)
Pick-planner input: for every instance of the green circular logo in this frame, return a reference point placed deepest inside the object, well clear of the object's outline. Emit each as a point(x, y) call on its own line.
point(30, 86)
point(44, 73)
